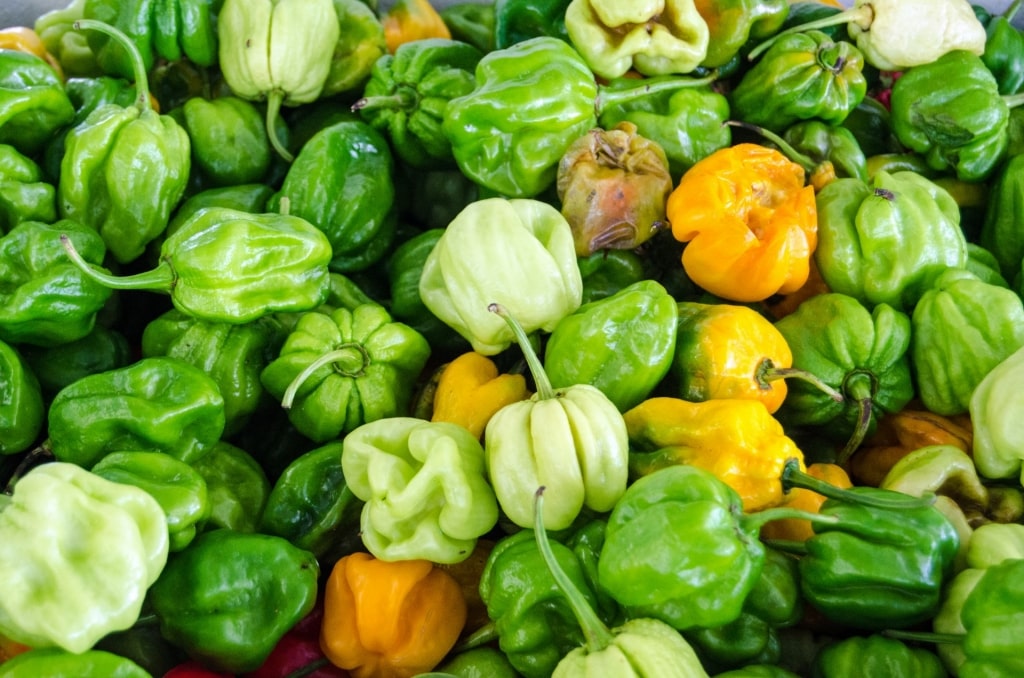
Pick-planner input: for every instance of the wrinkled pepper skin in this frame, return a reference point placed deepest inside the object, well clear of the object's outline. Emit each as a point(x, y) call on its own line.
point(33, 103)
point(994, 409)
point(21, 409)
point(519, 20)
point(992, 623)
point(155, 404)
point(629, 340)
point(24, 194)
point(229, 597)
point(236, 485)
point(875, 655)
point(55, 663)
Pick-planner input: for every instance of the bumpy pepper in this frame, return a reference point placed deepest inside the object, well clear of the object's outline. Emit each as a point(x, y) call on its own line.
point(70, 47)
point(749, 223)
point(834, 144)
point(732, 23)
point(470, 391)
point(628, 340)
point(875, 655)
point(77, 553)
point(155, 404)
point(999, 232)
point(55, 663)
point(884, 241)
point(229, 597)
point(341, 368)
point(236, 485)
point(24, 195)
point(46, 300)
point(21, 409)
point(995, 407)
point(960, 330)
point(277, 263)
point(33, 104)
point(229, 143)
point(652, 39)
point(518, 253)
point(360, 43)
point(408, 92)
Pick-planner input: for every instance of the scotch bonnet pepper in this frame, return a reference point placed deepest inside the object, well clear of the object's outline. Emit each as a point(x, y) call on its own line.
point(22, 411)
point(33, 103)
point(995, 407)
point(24, 194)
point(57, 663)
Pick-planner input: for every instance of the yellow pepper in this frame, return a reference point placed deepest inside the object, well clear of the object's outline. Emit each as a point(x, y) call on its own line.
point(389, 619)
point(23, 39)
point(737, 440)
point(10, 649)
point(470, 390)
point(798, 529)
point(749, 220)
point(409, 20)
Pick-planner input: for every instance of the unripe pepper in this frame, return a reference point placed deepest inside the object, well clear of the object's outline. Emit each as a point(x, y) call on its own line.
point(22, 411)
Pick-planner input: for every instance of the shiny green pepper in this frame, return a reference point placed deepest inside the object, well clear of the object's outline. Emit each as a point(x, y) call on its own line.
point(479, 662)
point(1004, 50)
point(55, 663)
point(995, 406)
point(875, 655)
point(236, 485)
point(607, 272)
point(57, 366)
point(70, 47)
point(250, 198)
point(33, 104)
point(835, 144)
point(627, 341)
point(24, 195)
point(21, 408)
point(229, 142)
point(732, 23)
point(1000, 232)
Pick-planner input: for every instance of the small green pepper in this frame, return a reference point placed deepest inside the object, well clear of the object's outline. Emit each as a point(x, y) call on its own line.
point(33, 103)
point(55, 663)
point(21, 409)
point(236, 485)
point(70, 47)
point(875, 655)
point(24, 195)
point(228, 140)
point(994, 407)
point(607, 272)
point(478, 662)
point(832, 143)
point(1004, 50)
point(1000, 233)
point(471, 22)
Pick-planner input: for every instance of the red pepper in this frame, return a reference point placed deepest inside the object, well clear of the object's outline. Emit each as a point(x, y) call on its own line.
point(298, 652)
point(193, 669)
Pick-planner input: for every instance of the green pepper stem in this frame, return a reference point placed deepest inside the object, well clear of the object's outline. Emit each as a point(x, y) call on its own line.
point(540, 377)
point(611, 97)
point(488, 633)
point(755, 521)
point(160, 279)
point(274, 100)
point(862, 15)
point(343, 351)
point(792, 477)
point(404, 99)
point(787, 149)
point(597, 634)
point(1013, 100)
point(1011, 11)
point(767, 372)
point(138, 64)
point(797, 548)
point(925, 636)
point(860, 391)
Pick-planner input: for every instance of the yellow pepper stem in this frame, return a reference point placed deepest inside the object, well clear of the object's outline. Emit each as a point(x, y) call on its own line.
point(540, 377)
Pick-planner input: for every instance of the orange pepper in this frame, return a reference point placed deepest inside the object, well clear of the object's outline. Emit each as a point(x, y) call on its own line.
point(389, 619)
point(23, 39)
point(798, 529)
point(470, 390)
point(409, 20)
point(749, 220)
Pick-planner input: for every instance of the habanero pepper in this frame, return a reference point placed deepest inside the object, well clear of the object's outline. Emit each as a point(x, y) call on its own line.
point(470, 391)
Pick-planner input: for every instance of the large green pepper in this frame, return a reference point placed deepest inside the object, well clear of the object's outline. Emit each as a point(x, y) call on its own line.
point(485, 661)
point(622, 344)
point(24, 194)
point(960, 330)
point(45, 299)
point(875, 655)
point(229, 142)
point(224, 265)
point(21, 408)
point(950, 111)
point(349, 196)
point(1004, 50)
point(732, 23)
point(803, 76)
point(519, 20)
point(118, 154)
point(408, 92)
point(424, 486)
point(77, 554)
point(155, 404)
point(995, 406)
point(361, 42)
point(236, 485)
point(885, 240)
point(33, 104)
point(55, 663)
point(229, 597)
point(341, 368)
point(1000, 231)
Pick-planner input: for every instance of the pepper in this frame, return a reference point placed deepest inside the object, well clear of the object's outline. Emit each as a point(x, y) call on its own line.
point(874, 655)
point(628, 338)
point(471, 22)
point(803, 76)
point(581, 456)
point(860, 353)
point(480, 662)
point(237, 487)
point(25, 39)
point(230, 596)
point(299, 650)
point(408, 92)
point(736, 440)
point(33, 104)
point(470, 391)
point(229, 143)
point(519, 20)
point(884, 241)
point(24, 194)
point(652, 40)
point(360, 43)
point(57, 366)
point(385, 618)
point(341, 368)
point(999, 233)
point(940, 338)
point(412, 20)
point(71, 48)
point(607, 272)
point(538, 280)
point(55, 663)
point(278, 264)
point(734, 23)
point(1004, 49)
point(798, 529)
point(250, 198)
point(94, 190)
point(993, 408)
point(155, 404)
point(835, 144)
point(22, 412)
point(78, 553)
point(267, 51)
point(740, 245)
point(990, 622)
point(47, 300)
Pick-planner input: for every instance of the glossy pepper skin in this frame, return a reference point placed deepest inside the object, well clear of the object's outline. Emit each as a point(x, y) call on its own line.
point(105, 544)
point(803, 76)
point(57, 663)
point(732, 23)
point(1004, 50)
point(833, 143)
point(228, 140)
point(236, 485)
point(470, 391)
point(155, 404)
point(22, 411)
point(608, 272)
point(740, 246)
point(229, 597)
point(991, 645)
point(999, 233)
point(360, 43)
point(45, 300)
point(519, 20)
point(884, 241)
point(33, 104)
point(408, 92)
point(24, 193)
point(994, 406)
point(629, 339)
point(874, 655)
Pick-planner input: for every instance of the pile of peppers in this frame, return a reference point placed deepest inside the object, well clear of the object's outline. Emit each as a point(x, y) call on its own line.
point(512, 338)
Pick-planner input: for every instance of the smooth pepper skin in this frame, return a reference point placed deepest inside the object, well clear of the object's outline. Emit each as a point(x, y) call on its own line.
point(732, 23)
point(56, 663)
point(229, 142)
point(1000, 233)
point(628, 339)
point(33, 103)
point(875, 655)
point(230, 596)
point(994, 409)
point(519, 20)
point(21, 410)
point(24, 193)
point(1004, 50)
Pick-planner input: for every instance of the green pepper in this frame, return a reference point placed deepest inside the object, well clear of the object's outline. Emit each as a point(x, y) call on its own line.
point(229, 142)
point(102, 349)
point(349, 196)
point(360, 44)
point(54, 663)
point(991, 622)
point(70, 47)
point(432, 198)
point(885, 240)
point(471, 22)
point(229, 597)
point(805, 11)
point(155, 404)
point(177, 487)
point(520, 20)
point(1004, 50)
point(950, 111)
point(24, 194)
point(875, 655)
point(871, 124)
point(861, 353)
point(33, 104)
point(46, 300)
point(627, 341)
point(224, 265)
point(236, 485)
point(609, 271)
point(1000, 233)
point(835, 144)
point(960, 330)
point(732, 23)
point(250, 198)
point(479, 662)
point(983, 263)
point(994, 404)
point(21, 409)
point(342, 368)
point(758, 670)
point(118, 154)
point(77, 553)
